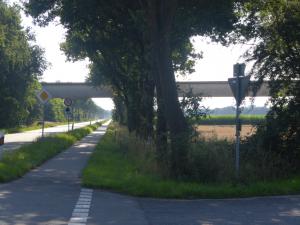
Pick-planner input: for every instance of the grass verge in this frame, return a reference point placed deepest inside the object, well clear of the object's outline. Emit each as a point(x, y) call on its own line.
point(111, 167)
point(15, 164)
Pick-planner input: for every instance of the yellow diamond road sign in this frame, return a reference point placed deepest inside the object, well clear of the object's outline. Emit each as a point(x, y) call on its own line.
point(44, 96)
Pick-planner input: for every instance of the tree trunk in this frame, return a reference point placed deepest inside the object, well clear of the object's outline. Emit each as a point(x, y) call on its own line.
point(160, 17)
point(161, 137)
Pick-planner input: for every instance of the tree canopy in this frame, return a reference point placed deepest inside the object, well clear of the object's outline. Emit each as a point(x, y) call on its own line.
point(135, 46)
point(20, 66)
point(275, 27)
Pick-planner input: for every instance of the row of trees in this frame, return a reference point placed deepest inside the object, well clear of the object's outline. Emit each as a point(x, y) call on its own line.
point(81, 110)
point(21, 65)
point(137, 46)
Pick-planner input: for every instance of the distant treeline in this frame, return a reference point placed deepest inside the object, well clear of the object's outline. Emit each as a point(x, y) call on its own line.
point(81, 110)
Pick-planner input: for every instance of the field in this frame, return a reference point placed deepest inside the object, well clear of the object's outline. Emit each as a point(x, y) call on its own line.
point(230, 119)
point(223, 126)
point(224, 131)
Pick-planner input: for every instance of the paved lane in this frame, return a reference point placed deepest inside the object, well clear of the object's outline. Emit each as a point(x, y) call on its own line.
point(110, 208)
point(13, 141)
point(47, 195)
point(51, 195)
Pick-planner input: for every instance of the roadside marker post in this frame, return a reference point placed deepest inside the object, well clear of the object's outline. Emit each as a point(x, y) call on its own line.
point(44, 96)
point(239, 86)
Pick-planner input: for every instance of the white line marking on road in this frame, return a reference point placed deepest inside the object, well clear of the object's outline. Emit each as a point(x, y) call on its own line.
point(81, 211)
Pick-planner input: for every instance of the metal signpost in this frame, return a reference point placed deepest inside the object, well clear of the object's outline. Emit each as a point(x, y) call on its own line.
point(68, 102)
point(239, 86)
point(44, 96)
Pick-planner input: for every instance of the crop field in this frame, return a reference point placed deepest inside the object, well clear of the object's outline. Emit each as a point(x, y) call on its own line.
point(230, 120)
point(224, 131)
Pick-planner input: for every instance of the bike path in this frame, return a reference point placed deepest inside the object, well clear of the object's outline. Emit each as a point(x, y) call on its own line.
point(16, 140)
point(48, 194)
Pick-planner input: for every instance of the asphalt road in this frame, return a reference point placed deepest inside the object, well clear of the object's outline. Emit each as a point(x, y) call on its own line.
point(51, 195)
point(13, 141)
point(111, 208)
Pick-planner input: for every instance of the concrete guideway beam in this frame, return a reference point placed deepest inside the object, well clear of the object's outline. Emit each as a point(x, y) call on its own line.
point(86, 90)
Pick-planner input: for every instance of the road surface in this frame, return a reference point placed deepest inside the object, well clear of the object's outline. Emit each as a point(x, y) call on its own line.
point(52, 195)
point(13, 141)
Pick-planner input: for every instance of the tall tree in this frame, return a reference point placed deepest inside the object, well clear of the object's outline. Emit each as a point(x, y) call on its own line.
point(145, 34)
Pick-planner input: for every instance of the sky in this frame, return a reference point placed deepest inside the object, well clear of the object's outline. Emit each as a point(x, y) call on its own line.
point(216, 65)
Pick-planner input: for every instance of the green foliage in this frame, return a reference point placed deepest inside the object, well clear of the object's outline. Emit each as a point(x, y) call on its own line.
point(275, 26)
point(15, 164)
point(135, 46)
point(20, 66)
point(116, 167)
point(54, 110)
point(86, 109)
point(211, 161)
point(82, 109)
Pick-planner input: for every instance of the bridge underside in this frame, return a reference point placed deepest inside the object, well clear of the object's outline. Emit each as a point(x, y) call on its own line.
point(86, 90)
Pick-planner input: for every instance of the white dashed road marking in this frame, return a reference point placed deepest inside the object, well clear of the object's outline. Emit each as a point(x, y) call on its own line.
point(81, 211)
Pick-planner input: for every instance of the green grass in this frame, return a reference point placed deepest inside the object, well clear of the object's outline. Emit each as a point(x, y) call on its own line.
point(111, 167)
point(230, 119)
point(15, 164)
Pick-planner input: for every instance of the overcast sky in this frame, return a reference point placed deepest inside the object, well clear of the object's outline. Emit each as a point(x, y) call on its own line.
point(216, 64)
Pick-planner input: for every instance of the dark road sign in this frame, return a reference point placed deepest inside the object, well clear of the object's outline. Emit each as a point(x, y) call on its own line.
point(239, 94)
point(68, 102)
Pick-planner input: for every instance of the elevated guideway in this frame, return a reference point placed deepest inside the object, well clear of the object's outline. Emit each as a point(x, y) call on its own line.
point(86, 90)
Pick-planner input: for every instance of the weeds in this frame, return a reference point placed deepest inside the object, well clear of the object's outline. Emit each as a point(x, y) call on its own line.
point(123, 163)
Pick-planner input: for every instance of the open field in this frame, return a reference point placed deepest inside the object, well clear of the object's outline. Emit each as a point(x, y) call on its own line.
point(224, 131)
point(230, 119)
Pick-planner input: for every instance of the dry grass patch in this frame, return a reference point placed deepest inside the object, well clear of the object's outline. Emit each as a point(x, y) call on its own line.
point(222, 132)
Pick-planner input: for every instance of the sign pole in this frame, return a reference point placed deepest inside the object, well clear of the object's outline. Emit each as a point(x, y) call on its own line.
point(43, 121)
point(68, 102)
point(44, 96)
point(237, 130)
point(68, 122)
point(72, 118)
point(239, 85)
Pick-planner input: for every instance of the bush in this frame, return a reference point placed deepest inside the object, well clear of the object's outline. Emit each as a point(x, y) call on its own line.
point(211, 161)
